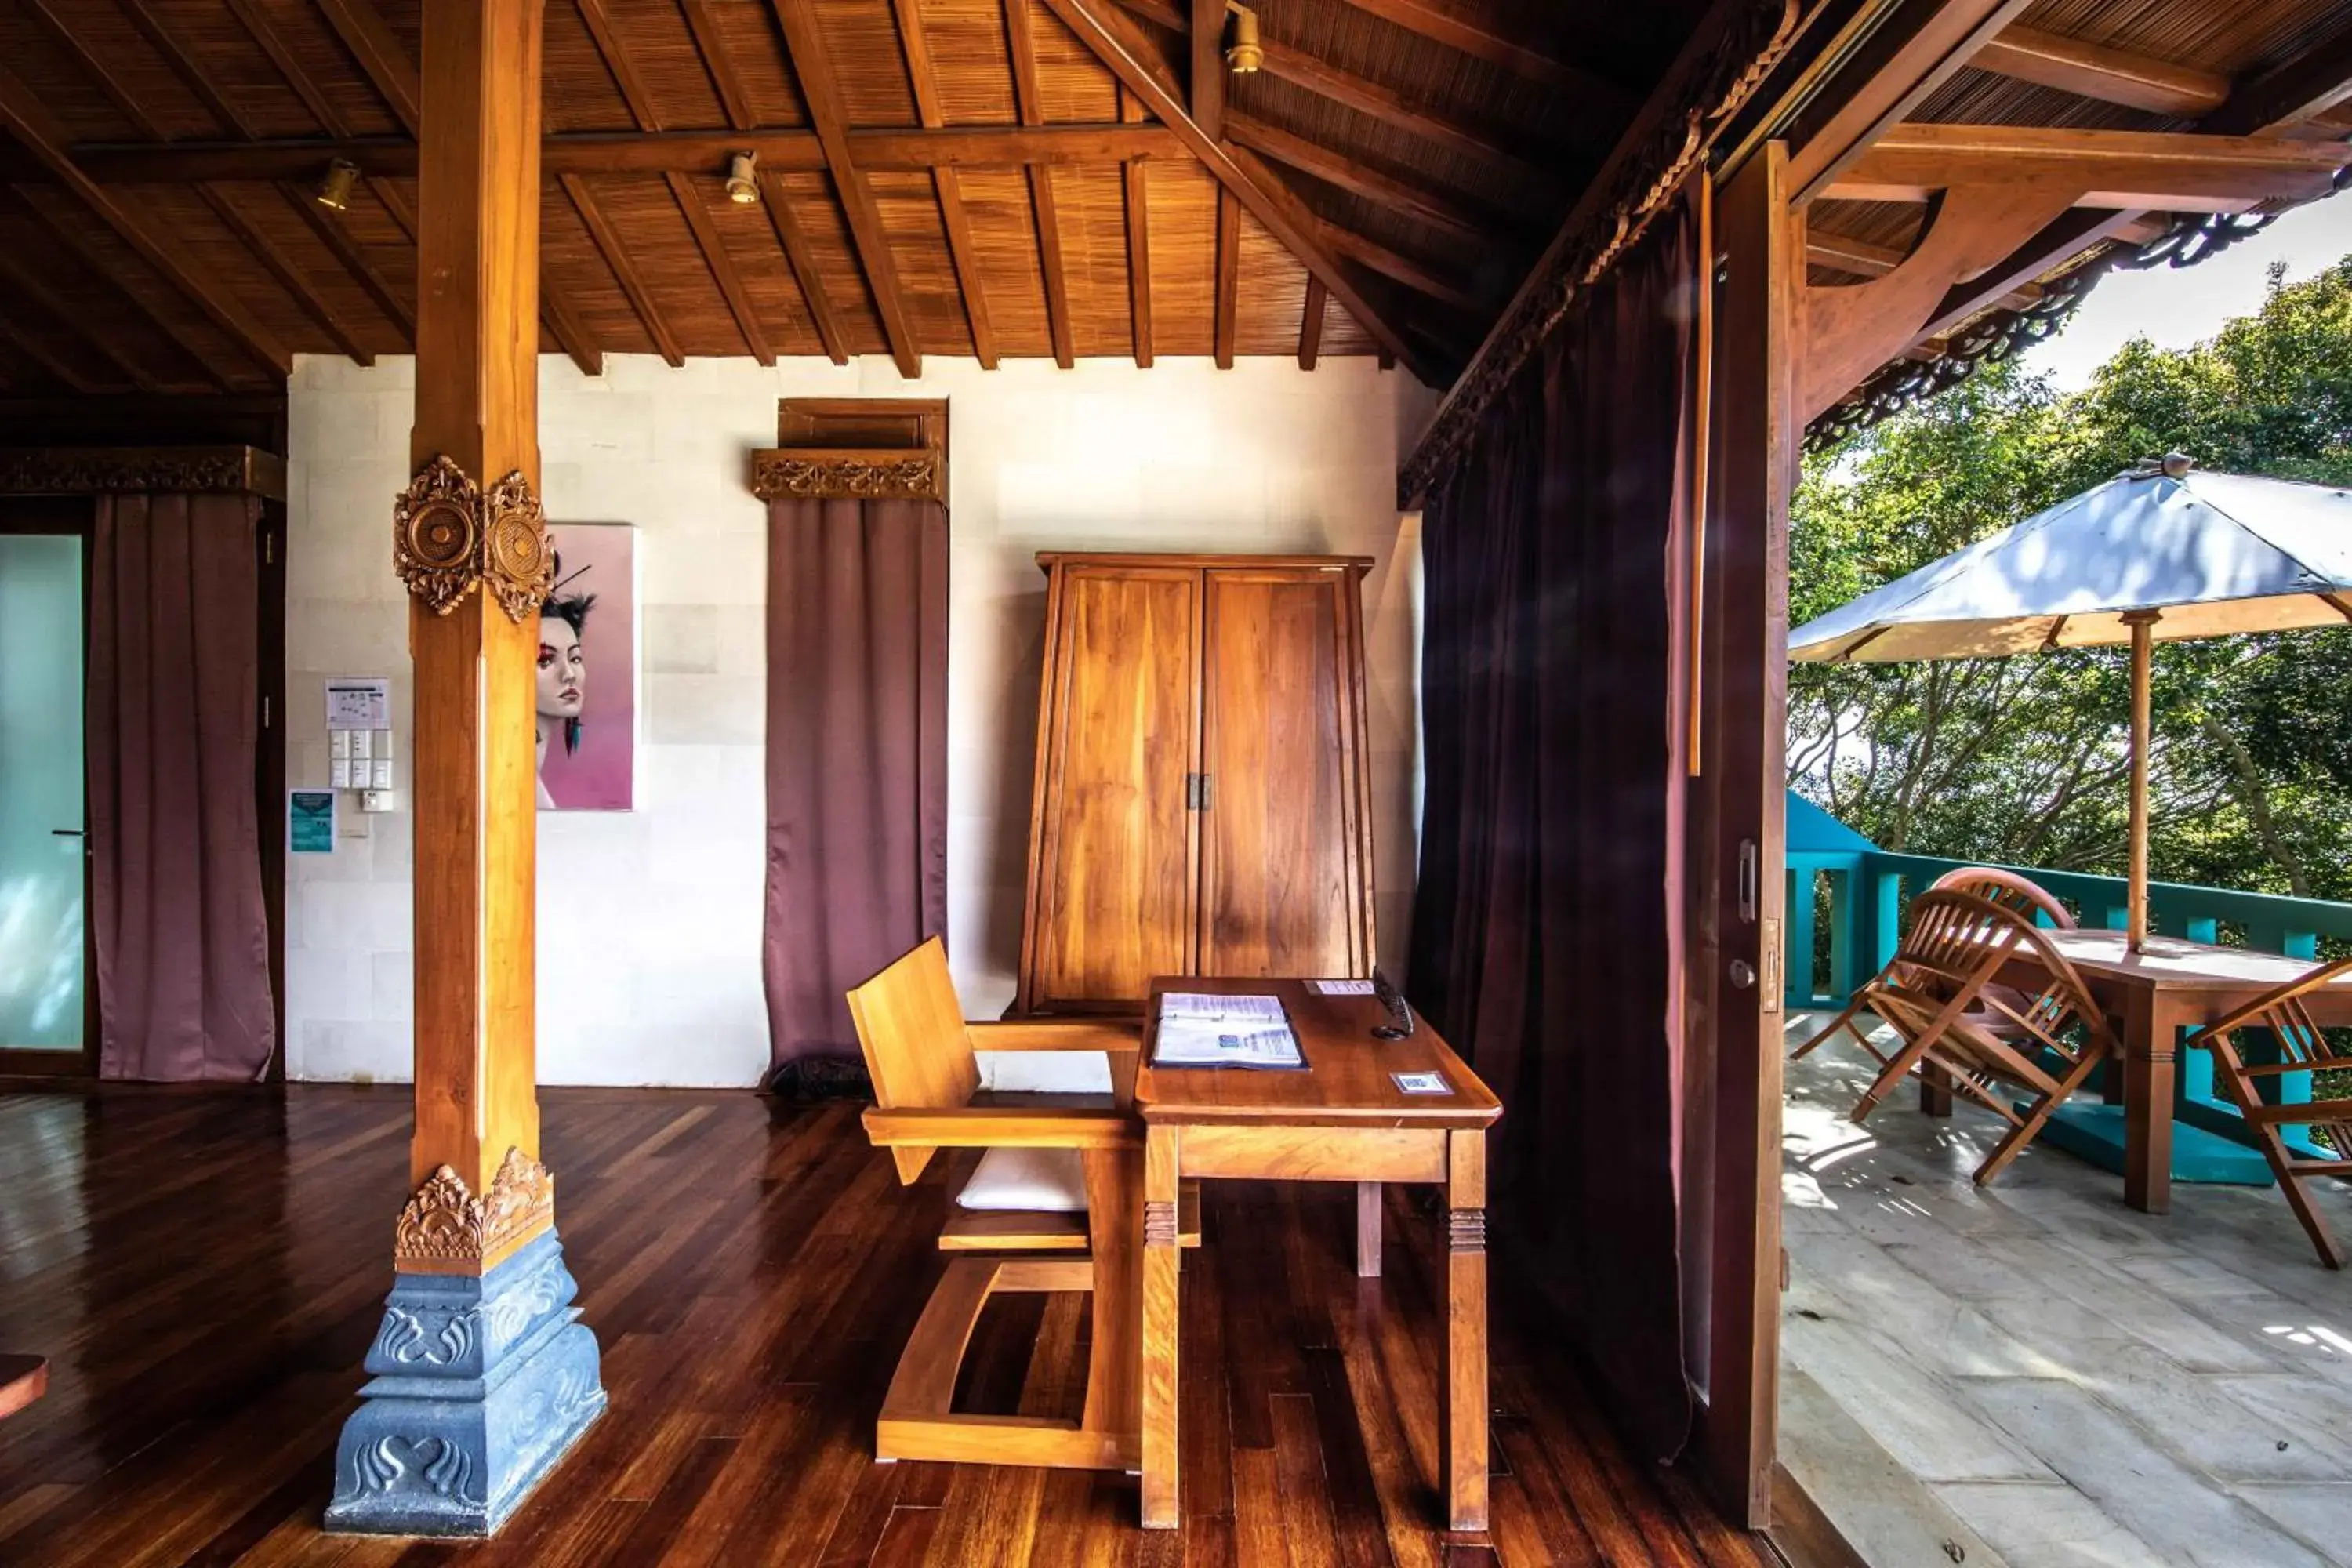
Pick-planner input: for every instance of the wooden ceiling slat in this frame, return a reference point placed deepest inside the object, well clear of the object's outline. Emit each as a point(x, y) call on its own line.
point(1229, 274)
point(202, 351)
point(1269, 304)
point(382, 57)
point(1111, 38)
point(1021, 44)
point(795, 243)
point(184, 65)
point(22, 114)
point(721, 265)
point(621, 63)
point(813, 69)
point(363, 270)
point(1392, 108)
point(1412, 274)
point(623, 269)
point(22, 278)
point(290, 67)
point(1138, 244)
point(56, 363)
point(1334, 169)
point(126, 103)
point(2290, 96)
point(1458, 32)
point(719, 62)
point(2112, 76)
point(1310, 325)
point(289, 276)
point(914, 41)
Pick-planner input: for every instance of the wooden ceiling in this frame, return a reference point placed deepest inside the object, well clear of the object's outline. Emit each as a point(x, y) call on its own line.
point(994, 178)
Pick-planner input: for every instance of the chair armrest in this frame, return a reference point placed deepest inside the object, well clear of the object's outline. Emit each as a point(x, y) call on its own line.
point(1025, 1036)
point(1001, 1127)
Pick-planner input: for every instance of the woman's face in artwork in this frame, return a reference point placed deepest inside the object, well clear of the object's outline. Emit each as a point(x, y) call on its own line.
point(562, 670)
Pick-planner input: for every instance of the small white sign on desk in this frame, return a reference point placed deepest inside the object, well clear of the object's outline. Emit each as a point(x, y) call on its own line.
point(1341, 987)
point(1422, 1082)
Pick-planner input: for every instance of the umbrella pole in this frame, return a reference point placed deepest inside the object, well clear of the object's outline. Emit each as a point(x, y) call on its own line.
point(2143, 641)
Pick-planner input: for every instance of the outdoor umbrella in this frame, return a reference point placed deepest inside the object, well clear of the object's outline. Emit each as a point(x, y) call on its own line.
point(2160, 551)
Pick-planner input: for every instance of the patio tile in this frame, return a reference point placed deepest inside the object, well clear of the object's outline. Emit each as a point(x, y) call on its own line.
point(2321, 1515)
point(2047, 1526)
point(1916, 1416)
point(2181, 1513)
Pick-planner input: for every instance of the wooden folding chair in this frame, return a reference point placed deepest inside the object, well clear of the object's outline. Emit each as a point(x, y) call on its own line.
point(2013, 889)
point(1939, 996)
point(2303, 1047)
point(1080, 1155)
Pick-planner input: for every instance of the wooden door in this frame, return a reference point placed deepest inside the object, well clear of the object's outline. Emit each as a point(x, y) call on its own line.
point(1111, 903)
point(1284, 876)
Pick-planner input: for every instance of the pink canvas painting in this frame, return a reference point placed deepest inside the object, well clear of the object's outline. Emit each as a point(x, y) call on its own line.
point(588, 672)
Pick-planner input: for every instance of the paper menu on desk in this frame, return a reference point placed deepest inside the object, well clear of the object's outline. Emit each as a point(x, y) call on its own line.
point(1210, 1030)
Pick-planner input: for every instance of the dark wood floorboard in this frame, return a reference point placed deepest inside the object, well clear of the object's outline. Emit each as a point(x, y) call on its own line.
point(204, 1271)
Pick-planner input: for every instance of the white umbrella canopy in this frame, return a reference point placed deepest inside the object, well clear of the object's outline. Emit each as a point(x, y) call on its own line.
point(2162, 553)
point(2215, 553)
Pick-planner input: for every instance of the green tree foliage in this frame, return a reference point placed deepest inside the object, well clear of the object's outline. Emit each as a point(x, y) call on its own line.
point(2024, 759)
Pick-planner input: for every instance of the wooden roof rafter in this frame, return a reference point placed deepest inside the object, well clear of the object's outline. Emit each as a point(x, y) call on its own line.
point(615, 252)
point(947, 188)
point(1136, 216)
point(1021, 44)
point(2110, 76)
point(102, 264)
point(1451, 28)
point(289, 276)
point(21, 278)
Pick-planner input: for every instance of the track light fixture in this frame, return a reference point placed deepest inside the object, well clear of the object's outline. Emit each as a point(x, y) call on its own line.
point(1245, 53)
point(335, 190)
point(742, 182)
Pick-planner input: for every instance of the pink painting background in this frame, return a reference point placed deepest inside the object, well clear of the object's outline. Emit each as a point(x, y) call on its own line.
point(600, 559)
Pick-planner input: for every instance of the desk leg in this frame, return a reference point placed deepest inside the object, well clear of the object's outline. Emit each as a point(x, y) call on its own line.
point(2151, 1044)
point(1161, 1254)
point(1368, 1230)
point(1463, 1439)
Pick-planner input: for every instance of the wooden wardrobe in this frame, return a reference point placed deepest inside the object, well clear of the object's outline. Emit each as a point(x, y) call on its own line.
point(1201, 795)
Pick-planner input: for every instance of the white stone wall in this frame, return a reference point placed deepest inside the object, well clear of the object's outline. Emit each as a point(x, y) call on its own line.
point(649, 921)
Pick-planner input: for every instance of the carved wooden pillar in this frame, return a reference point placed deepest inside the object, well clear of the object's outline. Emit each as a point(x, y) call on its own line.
point(483, 1378)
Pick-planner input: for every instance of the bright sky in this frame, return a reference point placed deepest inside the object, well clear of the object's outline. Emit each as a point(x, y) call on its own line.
point(2176, 308)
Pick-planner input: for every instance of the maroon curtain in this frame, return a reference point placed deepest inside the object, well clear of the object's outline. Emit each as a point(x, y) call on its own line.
point(857, 665)
point(1545, 937)
point(183, 934)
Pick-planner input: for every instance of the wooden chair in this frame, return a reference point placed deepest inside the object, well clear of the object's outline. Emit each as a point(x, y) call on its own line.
point(2013, 889)
point(1938, 996)
point(2303, 1047)
point(919, 1052)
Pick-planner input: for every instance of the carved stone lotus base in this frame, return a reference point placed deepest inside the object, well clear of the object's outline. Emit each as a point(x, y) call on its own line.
point(480, 1386)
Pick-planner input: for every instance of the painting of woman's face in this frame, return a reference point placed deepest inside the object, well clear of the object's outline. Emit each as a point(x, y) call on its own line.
point(562, 670)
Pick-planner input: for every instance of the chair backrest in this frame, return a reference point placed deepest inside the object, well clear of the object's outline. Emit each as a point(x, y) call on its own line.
point(910, 1028)
point(1958, 943)
point(2011, 890)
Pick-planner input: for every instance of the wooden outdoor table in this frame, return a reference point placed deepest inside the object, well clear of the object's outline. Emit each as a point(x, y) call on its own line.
point(1341, 1119)
point(2152, 995)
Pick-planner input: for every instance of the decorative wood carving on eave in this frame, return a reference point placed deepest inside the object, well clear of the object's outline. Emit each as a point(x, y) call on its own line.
point(150, 470)
point(446, 1229)
point(848, 474)
point(1710, 90)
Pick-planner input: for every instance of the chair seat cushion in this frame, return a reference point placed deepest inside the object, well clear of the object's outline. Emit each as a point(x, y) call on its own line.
point(1043, 1181)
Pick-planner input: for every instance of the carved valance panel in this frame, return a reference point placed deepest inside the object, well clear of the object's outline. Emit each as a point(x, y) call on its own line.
point(446, 1228)
point(848, 474)
point(150, 470)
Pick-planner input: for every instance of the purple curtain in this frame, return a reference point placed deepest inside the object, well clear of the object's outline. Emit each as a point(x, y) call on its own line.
point(1546, 933)
point(183, 934)
point(857, 665)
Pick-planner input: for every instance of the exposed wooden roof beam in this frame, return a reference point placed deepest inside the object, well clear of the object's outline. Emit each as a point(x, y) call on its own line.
point(1864, 259)
point(1310, 325)
point(199, 354)
point(722, 266)
point(620, 64)
point(804, 41)
point(23, 115)
point(774, 201)
point(635, 151)
point(2166, 170)
point(570, 332)
point(382, 57)
point(282, 55)
point(126, 103)
point(2111, 75)
point(2290, 96)
point(330, 229)
point(289, 276)
point(1108, 35)
point(1204, 35)
point(1337, 169)
point(1229, 276)
point(1412, 274)
point(1021, 44)
point(946, 187)
point(1921, 46)
point(624, 271)
point(56, 363)
point(26, 283)
point(1139, 243)
point(184, 65)
point(724, 77)
point(1445, 25)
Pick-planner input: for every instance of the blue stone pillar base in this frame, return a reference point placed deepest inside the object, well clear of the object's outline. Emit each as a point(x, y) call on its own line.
point(480, 1386)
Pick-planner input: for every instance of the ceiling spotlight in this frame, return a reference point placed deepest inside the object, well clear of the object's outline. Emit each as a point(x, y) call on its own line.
point(1244, 54)
point(742, 186)
point(335, 190)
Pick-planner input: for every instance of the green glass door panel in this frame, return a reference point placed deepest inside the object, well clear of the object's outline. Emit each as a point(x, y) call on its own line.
point(43, 978)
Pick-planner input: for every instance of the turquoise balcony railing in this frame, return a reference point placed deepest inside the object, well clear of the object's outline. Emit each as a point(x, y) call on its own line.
point(1840, 880)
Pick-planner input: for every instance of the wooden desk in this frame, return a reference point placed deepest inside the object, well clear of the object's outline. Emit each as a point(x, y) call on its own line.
point(1341, 1119)
point(2153, 995)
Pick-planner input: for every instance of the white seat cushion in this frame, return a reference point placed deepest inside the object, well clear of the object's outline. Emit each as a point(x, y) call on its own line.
point(1044, 1072)
point(1043, 1181)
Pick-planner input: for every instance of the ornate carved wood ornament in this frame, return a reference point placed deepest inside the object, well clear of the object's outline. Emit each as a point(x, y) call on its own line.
point(446, 1230)
point(449, 537)
point(153, 471)
point(878, 475)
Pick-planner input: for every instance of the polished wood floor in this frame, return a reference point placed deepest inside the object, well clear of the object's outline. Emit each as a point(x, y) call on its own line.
point(204, 1271)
